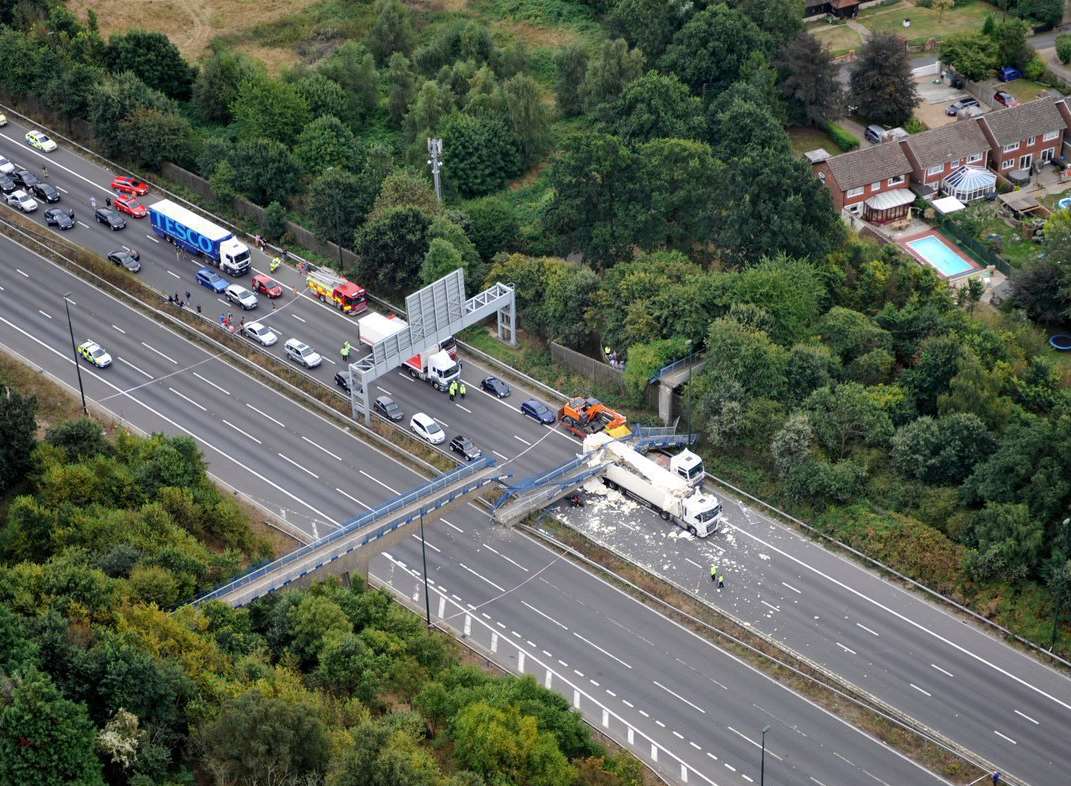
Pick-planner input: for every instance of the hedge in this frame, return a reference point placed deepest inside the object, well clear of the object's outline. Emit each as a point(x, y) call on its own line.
point(844, 139)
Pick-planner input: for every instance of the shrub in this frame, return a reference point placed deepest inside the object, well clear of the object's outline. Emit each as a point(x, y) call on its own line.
point(274, 225)
point(843, 138)
point(1063, 48)
point(1035, 69)
point(914, 126)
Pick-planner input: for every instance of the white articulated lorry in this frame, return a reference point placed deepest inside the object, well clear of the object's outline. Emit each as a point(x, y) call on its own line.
point(438, 368)
point(374, 327)
point(671, 495)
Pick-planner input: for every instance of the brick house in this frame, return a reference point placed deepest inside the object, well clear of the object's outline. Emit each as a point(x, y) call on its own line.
point(857, 179)
point(1024, 135)
point(936, 154)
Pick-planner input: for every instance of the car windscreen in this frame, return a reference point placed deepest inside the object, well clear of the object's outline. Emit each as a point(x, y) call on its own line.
point(433, 428)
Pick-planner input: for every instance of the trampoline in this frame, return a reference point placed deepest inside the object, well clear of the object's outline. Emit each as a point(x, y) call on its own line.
point(1060, 342)
point(1064, 203)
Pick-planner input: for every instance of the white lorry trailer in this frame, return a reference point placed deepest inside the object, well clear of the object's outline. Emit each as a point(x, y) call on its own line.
point(438, 368)
point(373, 328)
point(643, 479)
point(199, 236)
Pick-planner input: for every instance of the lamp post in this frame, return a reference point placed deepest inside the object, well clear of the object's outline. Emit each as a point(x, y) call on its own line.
point(762, 763)
point(424, 557)
point(74, 351)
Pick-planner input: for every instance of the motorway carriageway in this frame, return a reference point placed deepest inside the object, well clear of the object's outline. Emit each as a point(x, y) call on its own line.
point(1000, 703)
point(702, 707)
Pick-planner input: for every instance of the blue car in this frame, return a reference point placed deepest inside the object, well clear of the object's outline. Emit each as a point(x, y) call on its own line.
point(537, 410)
point(207, 277)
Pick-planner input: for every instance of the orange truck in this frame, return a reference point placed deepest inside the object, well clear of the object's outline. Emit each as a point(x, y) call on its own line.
point(332, 288)
point(584, 416)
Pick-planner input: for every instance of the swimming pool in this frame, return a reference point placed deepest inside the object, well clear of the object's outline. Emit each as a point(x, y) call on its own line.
point(939, 256)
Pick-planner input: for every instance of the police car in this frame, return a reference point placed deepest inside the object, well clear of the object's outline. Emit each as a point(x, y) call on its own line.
point(95, 354)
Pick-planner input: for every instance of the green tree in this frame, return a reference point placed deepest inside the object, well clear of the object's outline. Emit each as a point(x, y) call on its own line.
point(655, 106)
point(1013, 49)
point(709, 52)
point(323, 96)
point(528, 117)
point(932, 372)
point(556, 294)
point(811, 366)
point(444, 227)
point(571, 63)
point(742, 359)
point(648, 25)
point(978, 390)
point(609, 71)
point(353, 67)
point(881, 83)
point(273, 227)
point(270, 109)
point(69, 91)
point(264, 170)
point(403, 86)
point(790, 291)
point(154, 59)
point(151, 136)
point(256, 739)
point(80, 439)
point(335, 207)
point(442, 258)
point(1063, 48)
point(116, 98)
point(743, 126)
point(45, 740)
point(312, 620)
point(18, 428)
point(678, 177)
point(809, 82)
point(392, 249)
point(595, 197)
point(494, 225)
point(645, 360)
point(392, 31)
point(974, 55)
point(216, 87)
point(782, 20)
point(325, 143)
point(847, 416)
point(502, 743)
point(1008, 543)
point(793, 446)
point(405, 187)
point(432, 104)
point(942, 450)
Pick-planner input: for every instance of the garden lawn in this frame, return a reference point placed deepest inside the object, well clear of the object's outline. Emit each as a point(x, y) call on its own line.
point(1025, 90)
point(805, 139)
point(838, 39)
point(925, 22)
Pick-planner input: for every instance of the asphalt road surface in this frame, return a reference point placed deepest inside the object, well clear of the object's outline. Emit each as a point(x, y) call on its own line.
point(700, 709)
point(998, 702)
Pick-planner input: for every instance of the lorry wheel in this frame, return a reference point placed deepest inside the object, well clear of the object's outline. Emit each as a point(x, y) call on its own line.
point(692, 532)
point(664, 514)
point(610, 484)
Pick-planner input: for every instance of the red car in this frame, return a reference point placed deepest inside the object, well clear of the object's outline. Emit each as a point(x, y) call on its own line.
point(131, 206)
point(130, 185)
point(1005, 98)
point(266, 286)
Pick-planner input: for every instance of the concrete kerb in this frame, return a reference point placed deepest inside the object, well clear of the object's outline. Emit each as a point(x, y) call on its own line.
point(845, 690)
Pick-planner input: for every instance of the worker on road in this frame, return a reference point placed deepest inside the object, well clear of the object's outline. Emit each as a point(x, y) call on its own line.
point(275, 264)
point(721, 581)
point(44, 171)
point(462, 390)
point(346, 350)
point(453, 390)
point(713, 573)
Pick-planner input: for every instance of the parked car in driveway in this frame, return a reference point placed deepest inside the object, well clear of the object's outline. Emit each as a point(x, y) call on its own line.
point(60, 217)
point(537, 410)
point(1006, 99)
point(1009, 74)
point(110, 219)
point(875, 134)
point(207, 277)
point(967, 102)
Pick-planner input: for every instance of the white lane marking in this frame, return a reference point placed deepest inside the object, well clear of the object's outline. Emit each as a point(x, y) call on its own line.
point(266, 415)
point(452, 526)
point(176, 275)
point(464, 408)
point(120, 392)
point(188, 400)
point(908, 620)
point(436, 549)
point(321, 447)
point(127, 362)
point(608, 691)
point(153, 239)
point(83, 224)
point(4, 290)
point(545, 616)
point(503, 556)
point(822, 784)
point(678, 735)
point(519, 439)
point(694, 745)
point(946, 673)
point(213, 384)
point(868, 630)
point(693, 562)
point(593, 645)
point(920, 690)
point(846, 649)
point(848, 761)
point(695, 707)
point(1005, 736)
point(504, 458)
point(158, 352)
point(627, 703)
point(769, 605)
point(644, 714)
point(21, 272)
point(729, 766)
point(242, 432)
point(711, 755)
point(303, 469)
point(747, 778)
point(295, 316)
point(42, 313)
point(1024, 715)
point(352, 498)
point(792, 588)
point(116, 327)
point(72, 301)
point(660, 723)
point(380, 482)
point(329, 360)
point(482, 578)
point(379, 387)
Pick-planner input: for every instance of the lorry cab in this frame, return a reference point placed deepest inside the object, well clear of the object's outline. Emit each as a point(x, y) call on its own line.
point(442, 369)
point(234, 257)
point(689, 466)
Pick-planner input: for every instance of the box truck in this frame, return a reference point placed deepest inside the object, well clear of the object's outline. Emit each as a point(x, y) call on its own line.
point(199, 236)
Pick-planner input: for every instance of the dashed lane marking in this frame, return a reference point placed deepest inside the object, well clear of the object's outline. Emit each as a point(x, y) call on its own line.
point(541, 614)
point(262, 413)
point(241, 431)
point(482, 578)
point(303, 469)
point(140, 371)
point(1023, 715)
point(946, 673)
point(188, 400)
point(593, 645)
point(868, 630)
point(677, 696)
point(846, 649)
point(920, 690)
point(116, 327)
point(321, 447)
point(158, 352)
point(1005, 737)
point(380, 482)
point(213, 384)
point(173, 274)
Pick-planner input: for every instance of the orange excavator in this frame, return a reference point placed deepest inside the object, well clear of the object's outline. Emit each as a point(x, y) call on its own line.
point(583, 416)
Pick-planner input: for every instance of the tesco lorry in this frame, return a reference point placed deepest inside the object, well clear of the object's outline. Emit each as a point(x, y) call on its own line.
point(671, 495)
point(199, 236)
point(438, 368)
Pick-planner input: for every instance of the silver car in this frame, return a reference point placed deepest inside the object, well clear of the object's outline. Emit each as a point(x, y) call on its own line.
point(302, 353)
point(21, 200)
point(241, 296)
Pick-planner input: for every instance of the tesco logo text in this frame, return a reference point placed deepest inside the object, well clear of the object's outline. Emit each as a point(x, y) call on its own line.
point(182, 233)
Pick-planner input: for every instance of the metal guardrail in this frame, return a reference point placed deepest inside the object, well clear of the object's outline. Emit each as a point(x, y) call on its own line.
point(673, 367)
point(351, 526)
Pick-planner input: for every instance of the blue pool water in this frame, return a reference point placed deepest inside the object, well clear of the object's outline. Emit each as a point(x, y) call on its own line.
point(942, 258)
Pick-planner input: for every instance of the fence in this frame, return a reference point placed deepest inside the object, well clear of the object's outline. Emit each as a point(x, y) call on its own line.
point(598, 372)
point(972, 245)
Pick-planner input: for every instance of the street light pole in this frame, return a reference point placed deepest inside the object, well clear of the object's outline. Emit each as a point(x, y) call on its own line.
point(424, 557)
point(762, 764)
point(74, 351)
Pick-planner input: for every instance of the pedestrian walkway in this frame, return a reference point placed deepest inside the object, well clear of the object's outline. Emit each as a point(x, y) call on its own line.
point(863, 31)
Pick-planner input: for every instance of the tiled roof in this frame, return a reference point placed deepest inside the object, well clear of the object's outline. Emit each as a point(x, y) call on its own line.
point(1032, 119)
point(948, 143)
point(868, 165)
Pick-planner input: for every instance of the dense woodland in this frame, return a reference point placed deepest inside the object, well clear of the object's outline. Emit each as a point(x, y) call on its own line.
point(107, 678)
